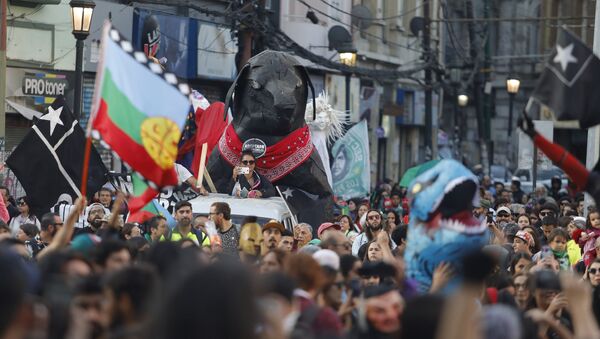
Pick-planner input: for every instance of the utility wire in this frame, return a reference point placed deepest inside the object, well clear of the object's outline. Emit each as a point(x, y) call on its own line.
point(404, 13)
point(350, 25)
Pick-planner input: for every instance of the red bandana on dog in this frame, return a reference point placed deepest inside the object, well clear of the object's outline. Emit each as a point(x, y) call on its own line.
point(279, 159)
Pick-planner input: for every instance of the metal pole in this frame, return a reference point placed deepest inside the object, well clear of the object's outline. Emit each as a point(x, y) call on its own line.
point(511, 98)
point(78, 78)
point(534, 171)
point(3, 74)
point(428, 78)
point(593, 141)
point(348, 77)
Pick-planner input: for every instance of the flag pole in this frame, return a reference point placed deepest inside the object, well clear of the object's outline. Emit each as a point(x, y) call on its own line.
point(201, 167)
point(294, 220)
point(86, 165)
point(593, 137)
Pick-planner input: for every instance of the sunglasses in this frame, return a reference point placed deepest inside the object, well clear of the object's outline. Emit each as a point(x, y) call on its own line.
point(594, 271)
point(248, 162)
point(22, 203)
point(546, 214)
point(503, 215)
point(374, 217)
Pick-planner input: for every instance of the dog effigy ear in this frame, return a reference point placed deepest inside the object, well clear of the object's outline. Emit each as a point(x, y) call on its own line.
point(302, 70)
point(232, 89)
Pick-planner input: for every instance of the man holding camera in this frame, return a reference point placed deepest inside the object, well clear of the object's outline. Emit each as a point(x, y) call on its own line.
point(248, 183)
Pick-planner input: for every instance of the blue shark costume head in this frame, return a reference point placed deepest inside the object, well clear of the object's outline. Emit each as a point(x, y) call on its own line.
point(442, 227)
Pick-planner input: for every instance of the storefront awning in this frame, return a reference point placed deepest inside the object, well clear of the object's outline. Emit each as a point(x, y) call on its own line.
point(24, 111)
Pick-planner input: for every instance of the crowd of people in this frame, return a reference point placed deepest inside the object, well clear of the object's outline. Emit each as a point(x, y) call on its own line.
point(81, 272)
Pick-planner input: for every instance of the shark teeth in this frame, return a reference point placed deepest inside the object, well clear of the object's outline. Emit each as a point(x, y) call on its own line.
point(458, 226)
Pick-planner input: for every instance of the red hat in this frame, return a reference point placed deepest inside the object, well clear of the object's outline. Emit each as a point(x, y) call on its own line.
point(526, 237)
point(327, 225)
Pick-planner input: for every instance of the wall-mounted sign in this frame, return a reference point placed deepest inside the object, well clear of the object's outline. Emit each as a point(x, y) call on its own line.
point(36, 89)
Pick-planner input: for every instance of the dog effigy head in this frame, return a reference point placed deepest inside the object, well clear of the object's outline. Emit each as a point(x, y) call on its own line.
point(269, 95)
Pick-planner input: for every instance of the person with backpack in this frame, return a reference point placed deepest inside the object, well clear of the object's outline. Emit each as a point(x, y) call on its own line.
point(184, 229)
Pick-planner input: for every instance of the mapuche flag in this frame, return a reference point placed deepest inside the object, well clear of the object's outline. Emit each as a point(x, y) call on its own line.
point(139, 111)
point(49, 160)
point(569, 83)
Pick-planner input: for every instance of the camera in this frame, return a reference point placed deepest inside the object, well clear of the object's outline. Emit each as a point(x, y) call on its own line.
point(245, 170)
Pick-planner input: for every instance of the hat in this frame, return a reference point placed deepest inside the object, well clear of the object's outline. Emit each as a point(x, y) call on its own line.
point(85, 243)
point(526, 237)
point(485, 203)
point(273, 224)
point(503, 209)
point(95, 206)
point(327, 258)
point(327, 225)
point(547, 280)
point(579, 222)
point(378, 268)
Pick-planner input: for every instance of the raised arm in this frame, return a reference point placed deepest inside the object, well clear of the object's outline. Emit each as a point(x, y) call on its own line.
point(65, 233)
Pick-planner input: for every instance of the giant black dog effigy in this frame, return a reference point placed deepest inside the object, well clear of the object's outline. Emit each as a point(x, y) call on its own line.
point(268, 101)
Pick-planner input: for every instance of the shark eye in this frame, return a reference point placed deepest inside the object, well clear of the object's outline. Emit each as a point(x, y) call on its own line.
point(254, 84)
point(420, 186)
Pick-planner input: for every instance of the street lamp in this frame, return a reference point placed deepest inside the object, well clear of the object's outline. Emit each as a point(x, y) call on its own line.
point(81, 20)
point(463, 100)
point(347, 57)
point(512, 87)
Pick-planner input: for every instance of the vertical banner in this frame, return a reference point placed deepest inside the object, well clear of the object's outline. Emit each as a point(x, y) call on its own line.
point(350, 169)
point(546, 129)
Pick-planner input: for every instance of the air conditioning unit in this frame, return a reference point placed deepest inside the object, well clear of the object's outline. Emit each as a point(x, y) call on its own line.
point(33, 3)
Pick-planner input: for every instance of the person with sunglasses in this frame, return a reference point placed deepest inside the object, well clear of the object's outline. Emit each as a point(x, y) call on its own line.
point(247, 182)
point(25, 216)
point(373, 227)
point(593, 273)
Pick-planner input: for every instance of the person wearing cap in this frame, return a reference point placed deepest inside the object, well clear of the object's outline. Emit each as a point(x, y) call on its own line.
point(271, 234)
point(373, 226)
point(480, 213)
point(95, 214)
point(503, 216)
point(327, 227)
point(523, 242)
point(548, 209)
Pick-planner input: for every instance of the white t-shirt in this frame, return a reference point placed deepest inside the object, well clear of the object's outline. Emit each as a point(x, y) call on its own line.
point(182, 173)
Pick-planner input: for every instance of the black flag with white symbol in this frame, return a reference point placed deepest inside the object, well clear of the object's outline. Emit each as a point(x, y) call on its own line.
point(569, 84)
point(49, 160)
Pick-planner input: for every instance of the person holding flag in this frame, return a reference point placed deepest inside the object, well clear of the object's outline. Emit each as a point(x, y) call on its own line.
point(568, 87)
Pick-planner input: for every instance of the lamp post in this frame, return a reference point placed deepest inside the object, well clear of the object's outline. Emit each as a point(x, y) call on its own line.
point(462, 100)
point(81, 19)
point(512, 87)
point(347, 57)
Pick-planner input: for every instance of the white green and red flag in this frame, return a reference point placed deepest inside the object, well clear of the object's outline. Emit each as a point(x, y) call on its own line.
point(139, 111)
